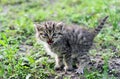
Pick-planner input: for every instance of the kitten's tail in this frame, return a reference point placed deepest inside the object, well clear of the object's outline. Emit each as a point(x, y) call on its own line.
point(100, 26)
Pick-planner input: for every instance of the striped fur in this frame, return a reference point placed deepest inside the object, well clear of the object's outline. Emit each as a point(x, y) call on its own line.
point(67, 43)
point(100, 26)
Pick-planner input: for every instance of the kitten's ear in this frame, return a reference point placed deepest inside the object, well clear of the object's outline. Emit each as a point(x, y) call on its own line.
point(60, 25)
point(37, 27)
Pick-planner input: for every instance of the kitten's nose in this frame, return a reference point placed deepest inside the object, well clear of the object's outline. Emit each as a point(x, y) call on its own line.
point(50, 39)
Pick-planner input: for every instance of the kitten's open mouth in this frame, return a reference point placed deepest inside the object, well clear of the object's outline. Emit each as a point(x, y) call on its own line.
point(49, 42)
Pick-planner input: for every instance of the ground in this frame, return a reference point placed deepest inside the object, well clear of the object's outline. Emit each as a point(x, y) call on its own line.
point(21, 57)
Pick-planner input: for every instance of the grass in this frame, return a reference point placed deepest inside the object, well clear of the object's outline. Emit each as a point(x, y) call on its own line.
point(21, 57)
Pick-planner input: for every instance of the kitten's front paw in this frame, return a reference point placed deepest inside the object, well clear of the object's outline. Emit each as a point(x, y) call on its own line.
point(79, 71)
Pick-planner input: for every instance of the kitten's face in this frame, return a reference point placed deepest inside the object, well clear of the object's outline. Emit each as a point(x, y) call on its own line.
point(49, 32)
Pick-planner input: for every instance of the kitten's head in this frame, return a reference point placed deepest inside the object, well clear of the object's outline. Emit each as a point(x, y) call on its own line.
point(49, 32)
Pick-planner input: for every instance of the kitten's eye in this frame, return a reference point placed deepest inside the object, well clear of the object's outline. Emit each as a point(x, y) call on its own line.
point(60, 33)
point(54, 34)
point(45, 34)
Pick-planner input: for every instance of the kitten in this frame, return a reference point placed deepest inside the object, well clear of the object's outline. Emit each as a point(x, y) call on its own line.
point(67, 43)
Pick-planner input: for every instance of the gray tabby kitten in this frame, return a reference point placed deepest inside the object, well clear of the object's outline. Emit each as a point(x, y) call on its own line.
point(67, 44)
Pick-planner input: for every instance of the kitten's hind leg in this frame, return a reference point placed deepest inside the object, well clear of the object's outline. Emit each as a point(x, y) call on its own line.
point(58, 62)
point(80, 69)
point(67, 60)
point(82, 63)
